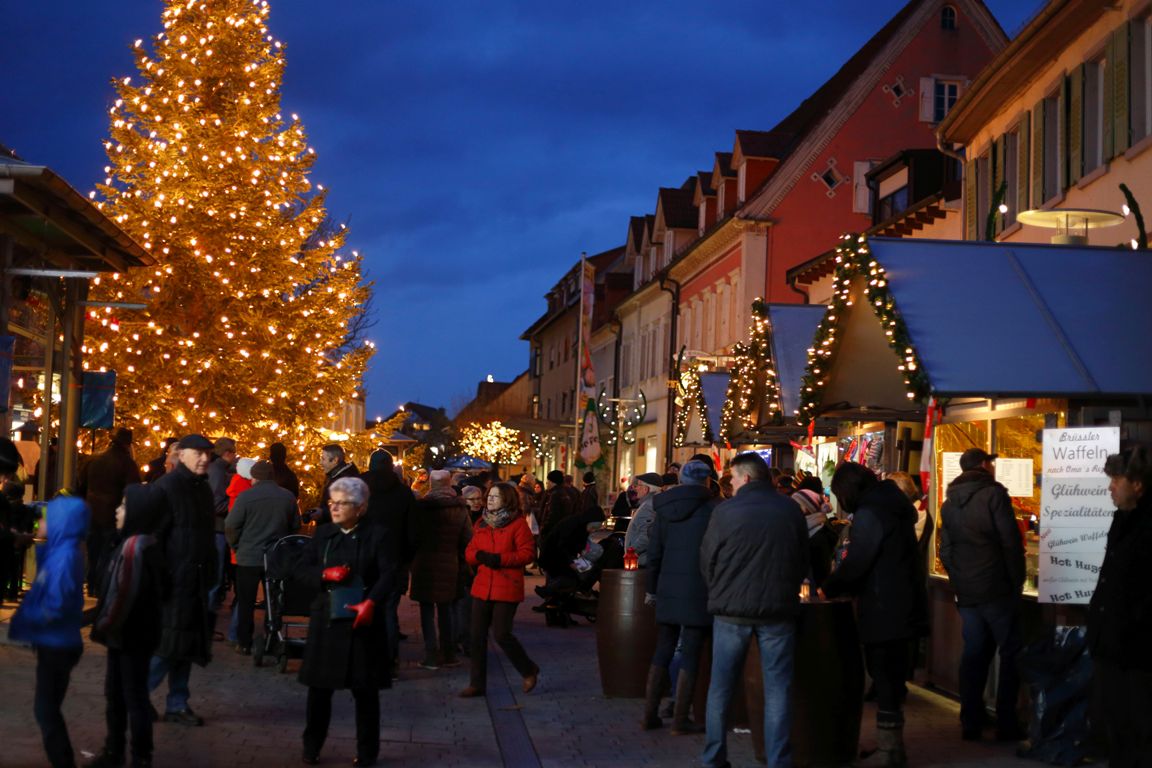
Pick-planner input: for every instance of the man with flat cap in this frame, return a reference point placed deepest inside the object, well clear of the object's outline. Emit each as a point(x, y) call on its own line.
point(983, 551)
point(188, 539)
point(646, 487)
point(261, 516)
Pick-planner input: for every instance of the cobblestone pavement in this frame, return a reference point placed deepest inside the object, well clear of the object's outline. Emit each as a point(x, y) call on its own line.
point(254, 717)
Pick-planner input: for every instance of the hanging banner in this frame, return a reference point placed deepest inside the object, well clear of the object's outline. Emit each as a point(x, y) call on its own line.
point(588, 425)
point(97, 401)
point(1076, 511)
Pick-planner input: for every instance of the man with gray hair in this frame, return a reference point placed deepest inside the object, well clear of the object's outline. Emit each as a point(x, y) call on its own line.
point(335, 466)
point(646, 486)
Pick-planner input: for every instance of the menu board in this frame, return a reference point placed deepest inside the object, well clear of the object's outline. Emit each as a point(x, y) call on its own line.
point(949, 467)
point(1076, 511)
point(1015, 475)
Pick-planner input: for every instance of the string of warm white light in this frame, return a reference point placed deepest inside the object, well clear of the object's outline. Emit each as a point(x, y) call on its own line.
point(752, 379)
point(492, 442)
point(854, 260)
point(254, 318)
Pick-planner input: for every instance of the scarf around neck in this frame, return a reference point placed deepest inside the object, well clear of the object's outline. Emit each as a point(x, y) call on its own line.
point(497, 519)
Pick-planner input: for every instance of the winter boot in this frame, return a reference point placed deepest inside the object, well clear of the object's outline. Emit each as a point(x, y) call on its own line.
point(657, 682)
point(889, 743)
point(682, 723)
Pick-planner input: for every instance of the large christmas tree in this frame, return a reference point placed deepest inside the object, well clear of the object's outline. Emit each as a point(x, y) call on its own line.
point(254, 321)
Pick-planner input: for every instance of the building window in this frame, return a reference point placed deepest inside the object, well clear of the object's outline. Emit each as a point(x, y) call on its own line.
point(1093, 133)
point(948, 18)
point(535, 406)
point(892, 195)
point(1140, 68)
point(548, 409)
point(1052, 171)
point(831, 178)
point(563, 404)
point(551, 356)
point(537, 361)
point(944, 98)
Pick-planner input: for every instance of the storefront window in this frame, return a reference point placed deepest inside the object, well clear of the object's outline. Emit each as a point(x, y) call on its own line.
point(1017, 441)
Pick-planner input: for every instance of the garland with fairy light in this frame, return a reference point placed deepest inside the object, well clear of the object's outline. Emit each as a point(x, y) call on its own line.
point(493, 442)
point(853, 260)
point(752, 372)
point(691, 397)
point(255, 317)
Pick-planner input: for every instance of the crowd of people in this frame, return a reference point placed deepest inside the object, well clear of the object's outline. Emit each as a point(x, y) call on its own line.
point(724, 557)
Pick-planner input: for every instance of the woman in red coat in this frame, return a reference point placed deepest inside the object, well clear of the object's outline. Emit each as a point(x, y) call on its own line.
point(501, 546)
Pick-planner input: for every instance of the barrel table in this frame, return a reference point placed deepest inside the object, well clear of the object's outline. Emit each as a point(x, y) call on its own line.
point(827, 687)
point(625, 634)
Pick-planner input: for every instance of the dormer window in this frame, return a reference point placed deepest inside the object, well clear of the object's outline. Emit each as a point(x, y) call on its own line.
point(948, 18)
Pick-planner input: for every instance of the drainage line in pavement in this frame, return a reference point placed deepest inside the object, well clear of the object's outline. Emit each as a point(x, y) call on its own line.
point(512, 737)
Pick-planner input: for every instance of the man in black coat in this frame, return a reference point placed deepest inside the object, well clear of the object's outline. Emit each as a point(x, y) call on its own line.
point(677, 587)
point(335, 465)
point(983, 552)
point(880, 569)
point(560, 501)
point(187, 537)
point(754, 557)
point(1120, 613)
point(389, 506)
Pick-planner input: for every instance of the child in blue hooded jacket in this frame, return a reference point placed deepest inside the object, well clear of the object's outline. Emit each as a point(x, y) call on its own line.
point(50, 618)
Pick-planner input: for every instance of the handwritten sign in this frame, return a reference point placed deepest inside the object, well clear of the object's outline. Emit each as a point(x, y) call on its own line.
point(1076, 511)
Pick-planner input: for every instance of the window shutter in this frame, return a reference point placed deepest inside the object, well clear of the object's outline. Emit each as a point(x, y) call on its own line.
point(999, 148)
point(1120, 99)
point(1038, 155)
point(1061, 170)
point(1022, 137)
point(970, 224)
point(861, 195)
point(1075, 124)
point(927, 99)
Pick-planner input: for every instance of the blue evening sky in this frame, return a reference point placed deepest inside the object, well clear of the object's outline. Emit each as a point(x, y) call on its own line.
point(475, 148)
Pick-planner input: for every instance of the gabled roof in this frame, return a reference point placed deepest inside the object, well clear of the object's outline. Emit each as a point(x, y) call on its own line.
point(760, 145)
point(635, 234)
point(722, 169)
point(676, 208)
point(704, 187)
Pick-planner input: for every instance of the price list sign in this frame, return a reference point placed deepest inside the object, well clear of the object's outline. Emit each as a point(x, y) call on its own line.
point(1076, 511)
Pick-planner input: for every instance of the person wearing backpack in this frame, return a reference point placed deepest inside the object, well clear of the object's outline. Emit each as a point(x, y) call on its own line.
point(50, 617)
point(132, 589)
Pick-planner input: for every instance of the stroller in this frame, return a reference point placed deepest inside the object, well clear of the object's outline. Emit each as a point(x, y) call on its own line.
point(285, 599)
point(568, 594)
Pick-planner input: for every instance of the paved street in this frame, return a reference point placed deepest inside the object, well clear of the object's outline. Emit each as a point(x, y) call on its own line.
point(255, 716)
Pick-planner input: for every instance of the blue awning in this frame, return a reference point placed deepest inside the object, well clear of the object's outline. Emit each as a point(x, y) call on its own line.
point(464, 461)
point(997, 319)
point(793, 329)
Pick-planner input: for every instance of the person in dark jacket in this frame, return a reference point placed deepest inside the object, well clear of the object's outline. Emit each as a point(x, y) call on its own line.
point(334, 462)
point(128, 623)
point(159, 465)
point(677, 587)
point(560, 501)
point(983, 551)
point(283, 474)
point(187, 537)
point(754, 557)
point(880, 569)
point(101, 484)
point(1120, 613)
point(438, 535)
point(261, 516)
point(221, 470)
point(389, 505)
point(349, 564)
point(590, 497)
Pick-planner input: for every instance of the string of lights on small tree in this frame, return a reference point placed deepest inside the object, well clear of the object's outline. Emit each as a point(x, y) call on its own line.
point(691, 397)
point(854, 260)
point(753, 379)
point(493, 442)
point(255, 317)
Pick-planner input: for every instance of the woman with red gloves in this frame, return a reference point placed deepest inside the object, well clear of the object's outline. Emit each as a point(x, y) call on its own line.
point(502, 544)
point(349, 563)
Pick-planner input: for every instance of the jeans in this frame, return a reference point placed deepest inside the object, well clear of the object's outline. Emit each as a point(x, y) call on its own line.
point(126, 695)
point(986, 627)
point(247, 585)
point(53, 673)
point(318, 716)
point(178, 672)
point(498, 615)
point(671, 638)
point(777, 641)
point(430, 615)
point(221, 558)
